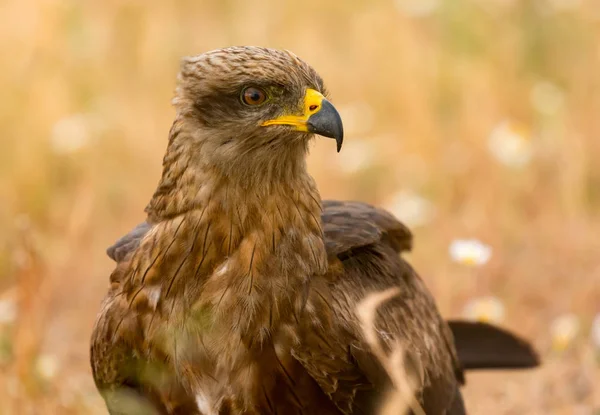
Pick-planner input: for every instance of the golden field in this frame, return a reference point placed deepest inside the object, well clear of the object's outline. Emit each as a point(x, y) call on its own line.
point(470, 119)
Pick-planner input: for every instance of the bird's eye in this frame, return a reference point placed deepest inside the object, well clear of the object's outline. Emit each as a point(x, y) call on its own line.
point(253, 96)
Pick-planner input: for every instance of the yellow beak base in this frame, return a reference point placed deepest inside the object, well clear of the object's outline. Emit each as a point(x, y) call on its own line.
point(319, 117)
point(312, 104)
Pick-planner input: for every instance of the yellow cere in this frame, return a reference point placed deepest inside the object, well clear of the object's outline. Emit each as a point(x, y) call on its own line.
point(312, 105)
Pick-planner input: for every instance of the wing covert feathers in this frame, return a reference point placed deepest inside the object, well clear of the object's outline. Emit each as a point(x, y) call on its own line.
point(349, 225)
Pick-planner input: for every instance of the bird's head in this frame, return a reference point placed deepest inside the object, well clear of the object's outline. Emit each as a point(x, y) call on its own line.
point(250, 106)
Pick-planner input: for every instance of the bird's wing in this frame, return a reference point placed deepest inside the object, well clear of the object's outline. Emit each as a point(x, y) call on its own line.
point(363, 244)
point(128, 243)
point(130, 365)
point(351, 225)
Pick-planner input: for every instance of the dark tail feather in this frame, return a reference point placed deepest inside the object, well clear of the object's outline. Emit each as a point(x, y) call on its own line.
point(483, 346)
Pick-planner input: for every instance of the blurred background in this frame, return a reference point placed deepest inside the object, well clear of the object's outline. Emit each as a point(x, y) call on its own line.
point(477, 122)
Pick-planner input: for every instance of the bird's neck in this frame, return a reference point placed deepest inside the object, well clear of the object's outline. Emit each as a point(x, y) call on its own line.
point(247, 253)
point(194, 170)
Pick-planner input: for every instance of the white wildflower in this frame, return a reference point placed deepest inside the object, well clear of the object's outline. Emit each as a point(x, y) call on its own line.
point(47, 366)
point(358, 118)
point(595, 332)
point(485, 309)
point(492, 6)
point(564, 5)
point(470, 252)
point(509, 145)
point(411, 208)
point(14, 387)
point(546, 98)
point(417, 8)
point(8, 310)
point(563, 330)
point(357, 155)
point(70, 134)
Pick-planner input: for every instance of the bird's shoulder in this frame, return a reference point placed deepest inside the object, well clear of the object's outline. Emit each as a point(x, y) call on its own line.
point(348, 225)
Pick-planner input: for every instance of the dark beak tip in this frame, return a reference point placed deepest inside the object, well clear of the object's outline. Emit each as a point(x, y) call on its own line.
point(327, 122)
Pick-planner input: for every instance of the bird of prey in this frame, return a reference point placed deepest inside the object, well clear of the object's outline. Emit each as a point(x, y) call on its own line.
point(238, 294)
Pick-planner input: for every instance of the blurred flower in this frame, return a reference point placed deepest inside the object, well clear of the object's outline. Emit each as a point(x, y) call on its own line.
point(470, 252)
point(356, 155)
point(358, 117)
point(494, 5)
point(411, 208)
point(510, 145)
point(484, 309)
point(595, 333)
point(74, 390)
point(563, 330)
point(71, 134)
point(417, 8)
point(564, 5)
point(546, 98)
point(13, 386)
point(8, 310)
point(47, 366)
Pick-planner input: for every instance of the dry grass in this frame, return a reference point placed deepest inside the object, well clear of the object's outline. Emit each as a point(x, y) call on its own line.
point(86, 112)
point(401, 398)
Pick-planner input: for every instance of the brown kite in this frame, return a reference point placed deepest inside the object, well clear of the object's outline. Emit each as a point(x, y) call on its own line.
point(239, 293)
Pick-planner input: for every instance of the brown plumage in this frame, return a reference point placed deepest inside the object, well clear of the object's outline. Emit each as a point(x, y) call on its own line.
point(238, 294)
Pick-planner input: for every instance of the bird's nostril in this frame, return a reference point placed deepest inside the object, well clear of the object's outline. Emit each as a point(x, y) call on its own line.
point(313, 107)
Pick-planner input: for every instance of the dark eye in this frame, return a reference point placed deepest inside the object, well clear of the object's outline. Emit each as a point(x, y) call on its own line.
point(253, 96)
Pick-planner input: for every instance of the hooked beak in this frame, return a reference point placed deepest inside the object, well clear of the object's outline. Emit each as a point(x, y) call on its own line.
point(319, 117)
